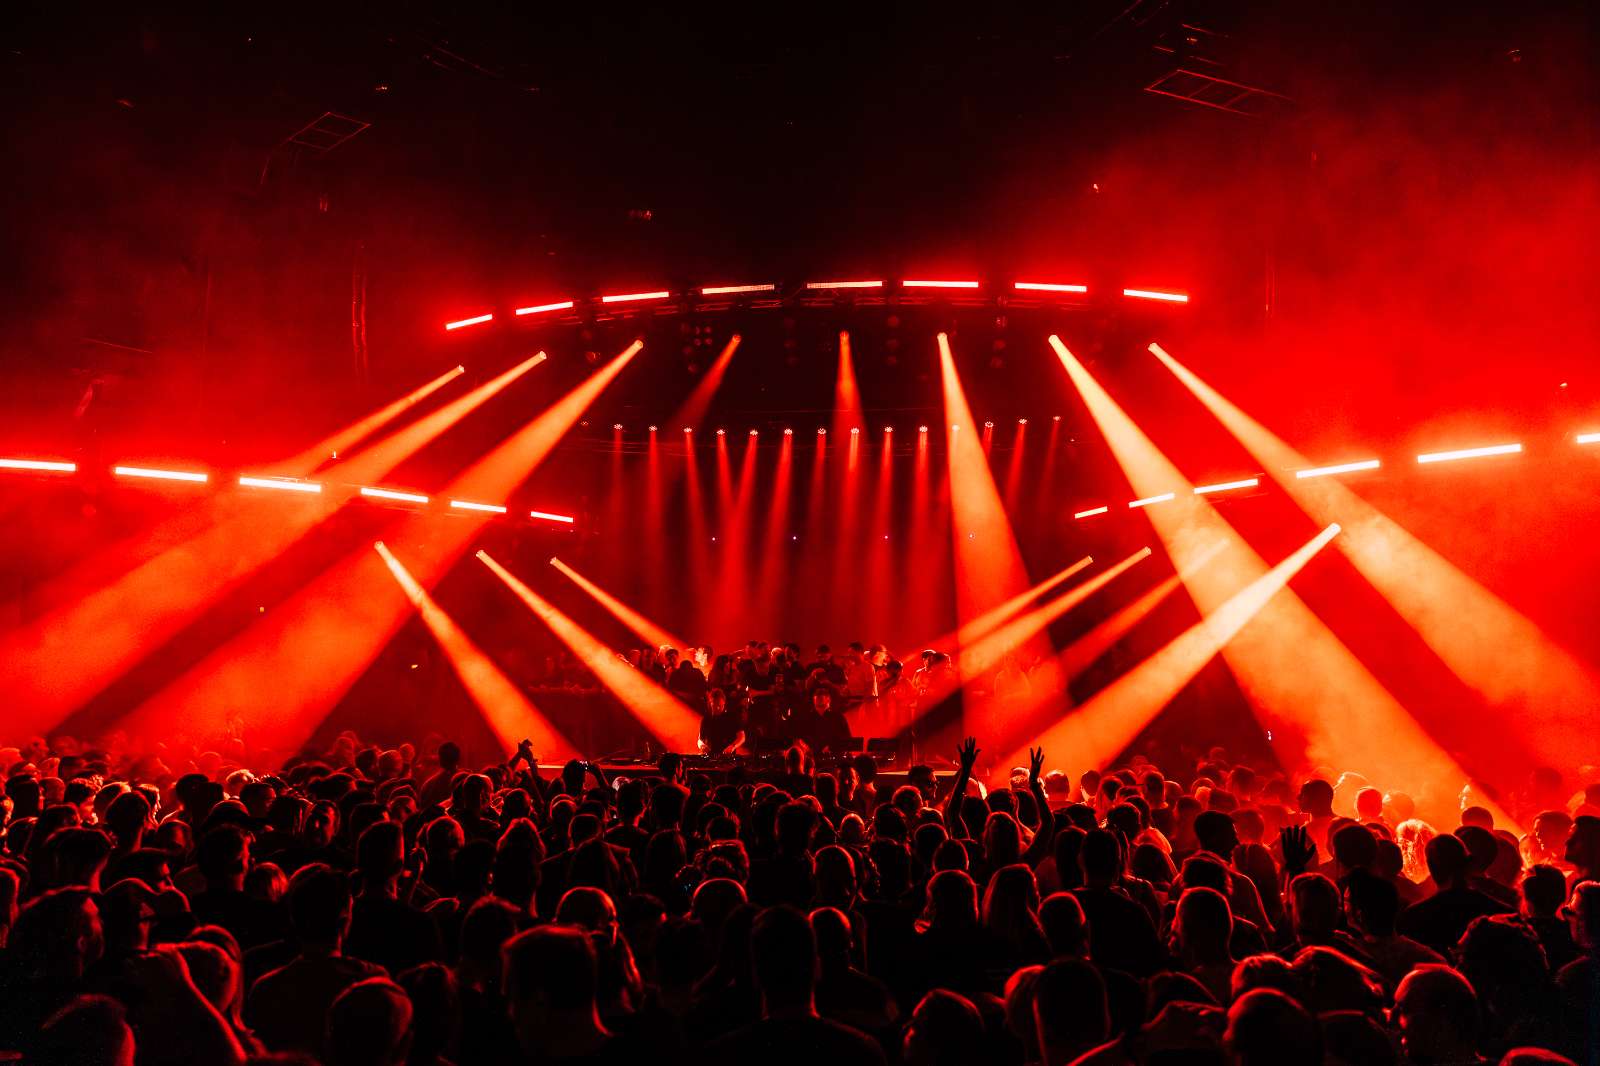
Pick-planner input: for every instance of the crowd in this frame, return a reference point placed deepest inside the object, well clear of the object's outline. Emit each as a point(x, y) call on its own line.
point(367, 907)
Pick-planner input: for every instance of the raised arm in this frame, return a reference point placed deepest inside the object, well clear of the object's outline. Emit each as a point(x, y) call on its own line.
point(1044, 840)
point(967, 757)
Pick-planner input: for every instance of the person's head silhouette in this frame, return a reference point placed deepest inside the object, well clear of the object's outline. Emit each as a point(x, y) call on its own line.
point(1267, 1027)
point(783, 952)
point(1069, 1010)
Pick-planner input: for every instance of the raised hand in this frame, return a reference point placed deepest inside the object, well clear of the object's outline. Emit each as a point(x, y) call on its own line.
point(967, 755)
point(1298, 850)
point(1035, 764)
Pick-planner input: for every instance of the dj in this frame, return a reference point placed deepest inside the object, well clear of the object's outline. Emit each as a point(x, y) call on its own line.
point(721, 730)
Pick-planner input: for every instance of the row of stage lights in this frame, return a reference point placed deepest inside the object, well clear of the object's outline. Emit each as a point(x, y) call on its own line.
point(1357, 466)
point(822, 431)
point(303, 486)
point(1048, 287)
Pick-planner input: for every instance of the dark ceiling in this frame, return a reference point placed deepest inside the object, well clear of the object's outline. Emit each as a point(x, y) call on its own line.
point(169, 238)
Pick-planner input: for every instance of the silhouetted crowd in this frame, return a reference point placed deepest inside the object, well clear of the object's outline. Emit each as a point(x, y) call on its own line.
point(367, 907)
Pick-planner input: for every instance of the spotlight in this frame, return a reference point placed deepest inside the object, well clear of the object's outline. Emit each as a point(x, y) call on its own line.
point(616, 425)
point(922, 429)
point(888, 429)
point(688, 429)
point(1022, 421)
point(855, 430)
point(652, 429)
point(1057, 418)
point(987, 425)
point(721, 432)
point(788, 433)
point(755, 433)
point(1588, 438)
point(821, 431)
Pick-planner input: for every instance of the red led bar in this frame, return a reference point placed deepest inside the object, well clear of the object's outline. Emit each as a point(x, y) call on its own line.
point(844, 284)
point(634, 297)
point(1048, 286)
point(550, 517)
point(733, 290)
point(1153, 294)
point(160, 475)
point(938, 284)
point(461, 323)
point(539, 309)
point(38, 464)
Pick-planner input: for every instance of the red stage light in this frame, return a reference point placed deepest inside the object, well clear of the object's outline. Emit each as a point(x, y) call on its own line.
point(1091, 511)
point(38, 464)
point(688, 429)
point(939, 284)
point(1224, 486)
point(1341, 468)
point(467, 505)
point(1469, 453)
point(822, 431)
point(1022, 421)
point(844, 284)
point(616, 425)
point(539, 309)
point(755, 433)
point(633, 297)
point(549, 516)
point(391, 494)
point(888, 429)
point(1588, 438)
point(1153, 294)
point(722, 432)
point(986, 425)
point(652, 429)
point(463, 322)
point(1148, 500)
point(285, 484)
point(1048, 286)
point(788, 433)
point(922, 429)
point(160, 475)
point(855, 430)
point(730, 290)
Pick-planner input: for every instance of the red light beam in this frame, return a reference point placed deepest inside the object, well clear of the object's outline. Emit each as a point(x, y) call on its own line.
point(668, 720)
point(510, 715)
